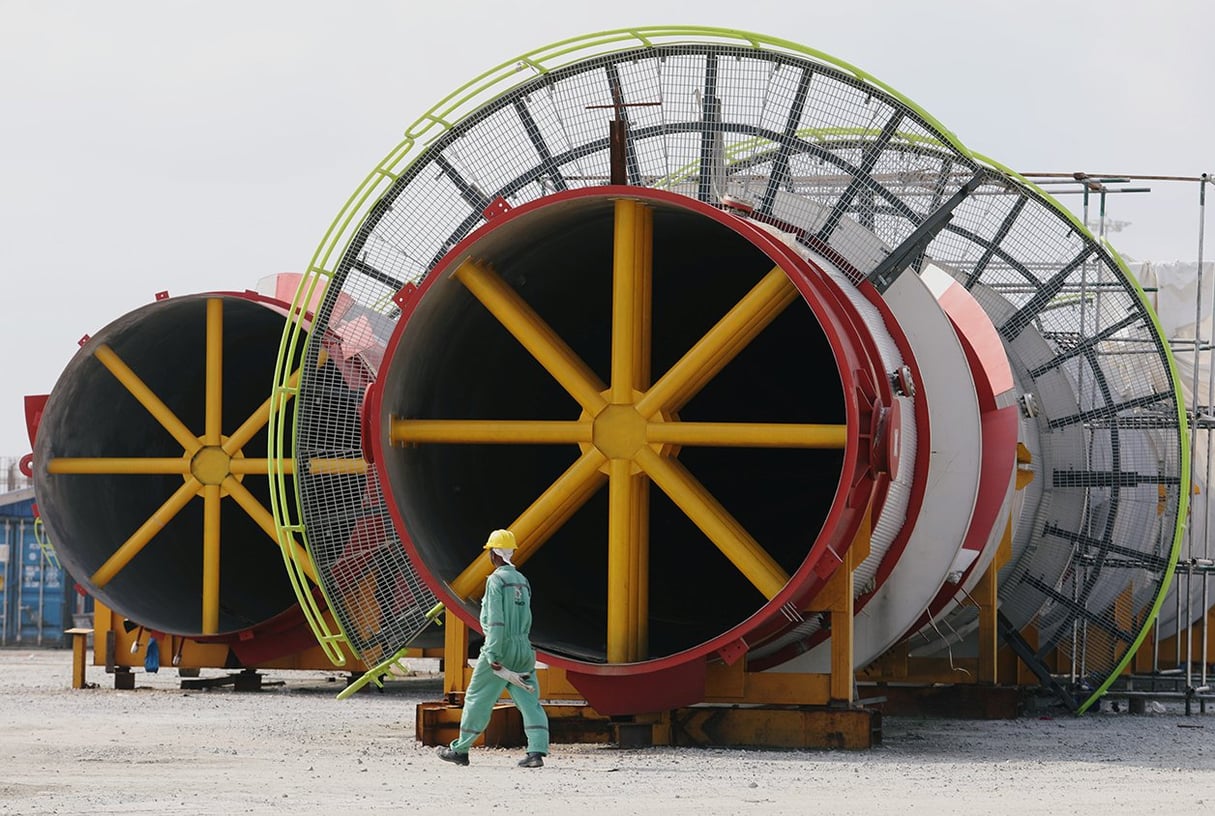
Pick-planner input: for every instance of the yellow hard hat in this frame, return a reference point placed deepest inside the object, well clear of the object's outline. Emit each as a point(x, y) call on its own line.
point(501, 540)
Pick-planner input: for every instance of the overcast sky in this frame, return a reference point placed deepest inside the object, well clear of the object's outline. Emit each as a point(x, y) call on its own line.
point(200, 146)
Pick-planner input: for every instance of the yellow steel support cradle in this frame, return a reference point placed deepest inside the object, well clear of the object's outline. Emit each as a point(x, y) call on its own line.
point(122, 650)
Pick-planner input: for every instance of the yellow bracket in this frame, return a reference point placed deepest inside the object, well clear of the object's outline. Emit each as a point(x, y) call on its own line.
point(1024, 460)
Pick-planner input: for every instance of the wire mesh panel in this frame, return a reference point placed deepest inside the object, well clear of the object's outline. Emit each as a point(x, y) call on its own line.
point(817, 149)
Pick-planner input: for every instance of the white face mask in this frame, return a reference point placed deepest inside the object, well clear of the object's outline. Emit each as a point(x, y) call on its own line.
point(505, 555)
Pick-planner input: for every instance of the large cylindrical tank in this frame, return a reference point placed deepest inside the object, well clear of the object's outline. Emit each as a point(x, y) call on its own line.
point(150, 471)
point(752, 480)
point(703, 315)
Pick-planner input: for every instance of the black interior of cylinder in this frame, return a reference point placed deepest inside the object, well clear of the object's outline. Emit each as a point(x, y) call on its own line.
point(90, 414)
point(456, 361)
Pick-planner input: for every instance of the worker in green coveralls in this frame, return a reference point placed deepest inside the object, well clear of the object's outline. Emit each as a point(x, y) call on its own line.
point(507, 660)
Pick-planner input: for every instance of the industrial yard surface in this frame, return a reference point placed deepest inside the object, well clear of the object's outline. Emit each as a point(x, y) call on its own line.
point(294, 748)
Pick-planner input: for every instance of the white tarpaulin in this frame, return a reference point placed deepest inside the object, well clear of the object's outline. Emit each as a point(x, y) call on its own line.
point(1172, 288)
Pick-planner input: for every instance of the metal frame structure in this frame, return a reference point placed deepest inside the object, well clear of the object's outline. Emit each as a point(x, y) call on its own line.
point(1049, 287)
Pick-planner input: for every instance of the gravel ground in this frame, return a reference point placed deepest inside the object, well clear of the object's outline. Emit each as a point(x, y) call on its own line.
point(293, 748)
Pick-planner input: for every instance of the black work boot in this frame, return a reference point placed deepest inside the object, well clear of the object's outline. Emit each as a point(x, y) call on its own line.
point(532, 760)
point(448, 755)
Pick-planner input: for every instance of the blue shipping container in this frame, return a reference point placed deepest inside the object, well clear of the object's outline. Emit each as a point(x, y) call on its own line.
point(35, 603)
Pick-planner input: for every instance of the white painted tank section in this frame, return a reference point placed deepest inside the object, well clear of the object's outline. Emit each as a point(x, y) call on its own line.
point(955, 632)
point(1059, 450)
point(952, 479)
point(893, 515)
point(977, 561)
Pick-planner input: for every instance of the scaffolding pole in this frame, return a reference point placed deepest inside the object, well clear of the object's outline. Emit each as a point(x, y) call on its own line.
point(1206, 517)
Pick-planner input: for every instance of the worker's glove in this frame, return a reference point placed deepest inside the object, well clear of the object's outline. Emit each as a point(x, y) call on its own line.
point(514, 678)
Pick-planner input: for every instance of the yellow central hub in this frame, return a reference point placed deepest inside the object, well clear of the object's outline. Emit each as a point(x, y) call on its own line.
point(211, 465)
point(619, 431)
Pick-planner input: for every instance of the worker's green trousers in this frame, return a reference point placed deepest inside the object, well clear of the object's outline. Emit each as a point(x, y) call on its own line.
point(484, 689)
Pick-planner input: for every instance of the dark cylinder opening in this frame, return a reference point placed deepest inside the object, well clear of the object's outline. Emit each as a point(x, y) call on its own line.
point(455, 361)
point(90, 414)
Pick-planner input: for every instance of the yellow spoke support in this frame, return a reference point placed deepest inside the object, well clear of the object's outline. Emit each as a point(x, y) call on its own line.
point(628, 506)
point(214, 399)
point(151, 403)
point(140, 538)
point(551, 511)
point(628, 564)
point(715, 522)
point(639, 567)
point(257, 420)
point(119, 465)
point(720, 345)
point(643, 289)
point(253, 508)
point(488, 431)
point(210, 568)
point(748, 434)
point(625, 262)
point(639, 484)
point(242, 467)
point(620, 591)
point(544, 344)
point(759, 321)
point(539, 521)
point(323, 465)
